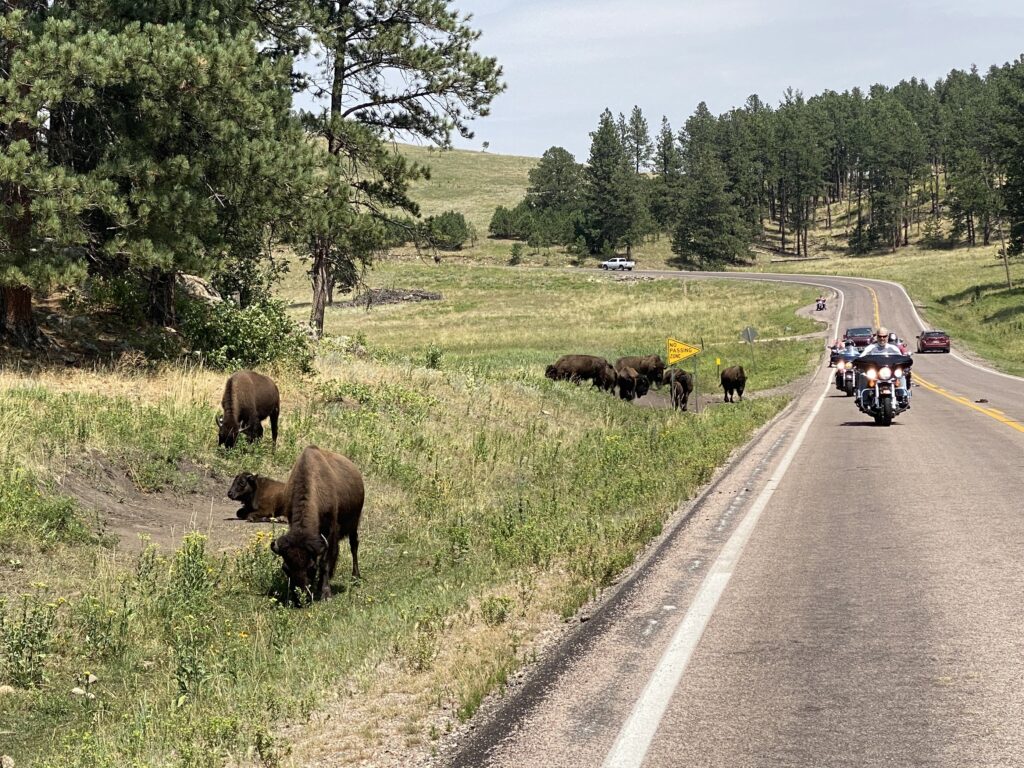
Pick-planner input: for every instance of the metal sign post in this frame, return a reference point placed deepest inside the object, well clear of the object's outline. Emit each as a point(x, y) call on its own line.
point(748, 335)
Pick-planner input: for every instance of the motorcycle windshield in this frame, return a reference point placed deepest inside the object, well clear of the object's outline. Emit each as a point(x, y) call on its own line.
point(877, 360)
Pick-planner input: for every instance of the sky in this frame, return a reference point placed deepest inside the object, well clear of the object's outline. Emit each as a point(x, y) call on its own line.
point(564, 61)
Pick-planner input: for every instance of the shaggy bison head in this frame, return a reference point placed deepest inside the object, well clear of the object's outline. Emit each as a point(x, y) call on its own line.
point(227, 433)
point(300, 555)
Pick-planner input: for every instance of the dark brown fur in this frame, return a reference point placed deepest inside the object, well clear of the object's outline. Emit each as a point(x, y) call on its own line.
point(249, 398)
point(262, 498)
point(631, 383)
point(579, 368)
point(325, 501)
point(734, 379)
point(650, 367)
point(681, 383)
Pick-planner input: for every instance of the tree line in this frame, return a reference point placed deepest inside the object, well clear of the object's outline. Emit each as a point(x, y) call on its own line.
point(140, 140)
point(944, 159)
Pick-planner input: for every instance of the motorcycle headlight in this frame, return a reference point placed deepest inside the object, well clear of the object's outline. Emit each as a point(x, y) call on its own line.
point(885, 372)
point(848, 365)
point(898, 372)
point(872, 374)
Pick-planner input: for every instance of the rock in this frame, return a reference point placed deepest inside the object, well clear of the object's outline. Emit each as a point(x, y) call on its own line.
point(6, 761)
point(198, 289)
point(6, 689)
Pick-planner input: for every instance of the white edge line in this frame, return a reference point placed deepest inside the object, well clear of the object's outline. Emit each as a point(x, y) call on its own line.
point(638, 731)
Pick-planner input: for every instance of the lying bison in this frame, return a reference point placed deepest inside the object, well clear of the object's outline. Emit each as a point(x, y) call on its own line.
point(325, 501)
point(733, 380)
point(579, 368)
point(262, 498)
point(650, 367)
point(681, 385)
point(249, 398)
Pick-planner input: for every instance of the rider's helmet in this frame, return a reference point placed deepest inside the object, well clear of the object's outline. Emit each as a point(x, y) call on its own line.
point(893, 339)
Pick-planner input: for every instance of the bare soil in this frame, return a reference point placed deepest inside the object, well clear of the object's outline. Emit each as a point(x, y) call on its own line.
point(135, 518)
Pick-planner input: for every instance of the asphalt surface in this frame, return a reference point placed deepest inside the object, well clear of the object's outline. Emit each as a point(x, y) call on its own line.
point(845, 594)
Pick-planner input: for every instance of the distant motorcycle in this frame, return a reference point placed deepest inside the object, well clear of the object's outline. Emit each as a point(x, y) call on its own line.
point(883, 395)
point(819, 305)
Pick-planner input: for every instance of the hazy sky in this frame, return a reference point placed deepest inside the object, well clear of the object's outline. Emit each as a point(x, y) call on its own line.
point(566, 60)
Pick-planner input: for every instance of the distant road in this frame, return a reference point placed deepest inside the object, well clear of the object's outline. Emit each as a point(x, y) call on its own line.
point(845, 594)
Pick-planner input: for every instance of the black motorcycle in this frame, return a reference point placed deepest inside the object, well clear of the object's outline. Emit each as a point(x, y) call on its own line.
point(883, 394)
point(846, 376)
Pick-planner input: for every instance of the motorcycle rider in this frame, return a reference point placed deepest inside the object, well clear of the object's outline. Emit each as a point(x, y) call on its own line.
point(881, 345)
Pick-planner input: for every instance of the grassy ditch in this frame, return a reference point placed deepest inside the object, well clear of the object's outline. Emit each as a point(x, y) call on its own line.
point(497, 501)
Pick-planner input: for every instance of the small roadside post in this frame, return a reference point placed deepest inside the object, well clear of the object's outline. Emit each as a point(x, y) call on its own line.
point(748, 335)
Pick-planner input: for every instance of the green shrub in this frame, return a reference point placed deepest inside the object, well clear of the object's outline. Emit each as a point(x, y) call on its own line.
point(229, 337)
point(448, 231)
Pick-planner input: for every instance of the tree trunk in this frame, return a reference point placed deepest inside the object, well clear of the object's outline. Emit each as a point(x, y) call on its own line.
point(161, 297)
point(318, 275)
point(16, 320)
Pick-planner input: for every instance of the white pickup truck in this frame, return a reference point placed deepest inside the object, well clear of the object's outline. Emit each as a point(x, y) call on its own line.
point(619, 262)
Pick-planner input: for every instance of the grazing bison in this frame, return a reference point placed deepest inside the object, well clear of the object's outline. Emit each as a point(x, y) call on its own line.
point(650, 367)
point(628, 380)
point(249, 398)
point(733, 380)
point(325, 501)
point(262, 498)
point(681, 384)
point(579, 368)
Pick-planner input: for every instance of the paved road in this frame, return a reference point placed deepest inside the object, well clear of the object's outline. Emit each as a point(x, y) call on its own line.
point(844, 595)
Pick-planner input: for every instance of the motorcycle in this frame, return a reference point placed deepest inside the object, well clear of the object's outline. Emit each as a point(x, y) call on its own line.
point(883, 394)
point(846, 376)
point(819, 305)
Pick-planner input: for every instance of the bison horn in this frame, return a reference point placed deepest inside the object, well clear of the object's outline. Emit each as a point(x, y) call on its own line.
point(273, 547)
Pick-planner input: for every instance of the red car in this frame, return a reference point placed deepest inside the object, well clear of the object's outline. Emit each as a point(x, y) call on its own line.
point(860, 336)
point(933, 341)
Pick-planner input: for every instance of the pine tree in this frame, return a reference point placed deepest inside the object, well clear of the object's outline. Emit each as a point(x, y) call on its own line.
point(614, 210)
point(444, 85)
point(709, 230)
point(638, 142)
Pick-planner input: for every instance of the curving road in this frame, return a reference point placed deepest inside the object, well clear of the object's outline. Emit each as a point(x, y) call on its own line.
point(842, 595)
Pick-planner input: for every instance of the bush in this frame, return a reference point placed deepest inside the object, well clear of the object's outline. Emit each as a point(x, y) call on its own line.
point(516, 255)
point(229, 337)
point(448, 231)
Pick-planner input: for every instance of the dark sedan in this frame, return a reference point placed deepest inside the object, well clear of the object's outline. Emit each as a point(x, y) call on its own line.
point(933, 341)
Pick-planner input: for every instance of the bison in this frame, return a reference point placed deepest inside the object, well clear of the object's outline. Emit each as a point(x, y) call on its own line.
point(262, 498)
point(249, 398)
point(325, 502)
point(650, 367)
point(629, 381)
point(733, 380)
point(579, 368)
point(681, 384)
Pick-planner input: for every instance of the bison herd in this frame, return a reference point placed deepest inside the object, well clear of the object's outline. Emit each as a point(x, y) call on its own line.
point(322, 500)
point(633, 377)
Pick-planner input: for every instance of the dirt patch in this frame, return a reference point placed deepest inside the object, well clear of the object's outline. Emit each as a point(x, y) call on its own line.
point(376, 296)
point(127, 514)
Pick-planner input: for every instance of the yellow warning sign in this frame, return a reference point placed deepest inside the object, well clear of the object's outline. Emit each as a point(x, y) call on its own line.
point(677, 351)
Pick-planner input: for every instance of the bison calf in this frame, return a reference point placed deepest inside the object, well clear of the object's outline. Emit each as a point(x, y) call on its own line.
point(325, 502)
point(681, 384)
point(262, 498)
point(249, 398)
point(733, 380)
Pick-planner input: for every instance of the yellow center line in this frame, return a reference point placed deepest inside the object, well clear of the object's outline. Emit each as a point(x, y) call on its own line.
point(990, 412)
